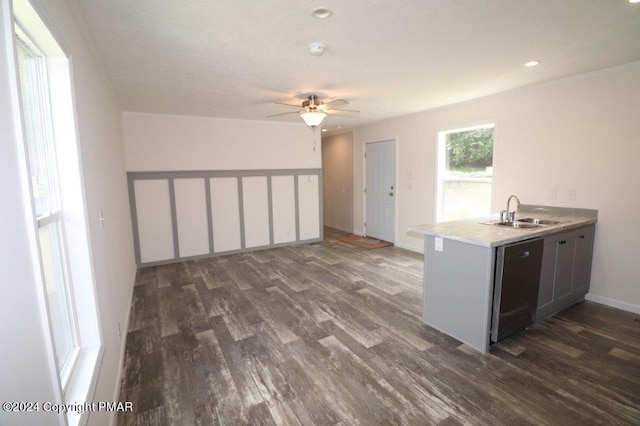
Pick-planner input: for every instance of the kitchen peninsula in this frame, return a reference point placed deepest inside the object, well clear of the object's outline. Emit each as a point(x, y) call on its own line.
point(466, 261)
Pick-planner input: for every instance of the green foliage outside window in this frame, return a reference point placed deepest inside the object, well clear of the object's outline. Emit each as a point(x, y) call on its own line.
point(470, 150)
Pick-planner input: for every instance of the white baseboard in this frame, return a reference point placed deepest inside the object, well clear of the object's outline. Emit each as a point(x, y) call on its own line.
point(123, 346)
point(613, 303)
point(410, 248)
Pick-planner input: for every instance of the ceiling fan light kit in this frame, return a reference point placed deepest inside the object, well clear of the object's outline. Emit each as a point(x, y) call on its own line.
point(313, 118)
point(313, 111)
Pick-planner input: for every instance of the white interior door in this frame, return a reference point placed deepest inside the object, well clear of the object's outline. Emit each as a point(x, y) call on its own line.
point(380, 190)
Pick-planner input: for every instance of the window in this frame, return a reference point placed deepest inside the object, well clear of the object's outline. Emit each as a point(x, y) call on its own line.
point(63, 258)
point(40, 142)
point(465, 172)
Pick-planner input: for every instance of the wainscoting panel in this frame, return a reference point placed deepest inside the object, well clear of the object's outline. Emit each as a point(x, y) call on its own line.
point(284, 209)
point(309, 205)
point(255, 199)
point(155, 231)
point(185, 215)
point(191, 217)
point(227, 231)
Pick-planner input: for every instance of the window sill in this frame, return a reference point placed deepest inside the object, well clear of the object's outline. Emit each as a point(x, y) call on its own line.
point(82, 384)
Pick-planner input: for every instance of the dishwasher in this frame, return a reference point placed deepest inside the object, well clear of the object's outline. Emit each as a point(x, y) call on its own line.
point(517, 279)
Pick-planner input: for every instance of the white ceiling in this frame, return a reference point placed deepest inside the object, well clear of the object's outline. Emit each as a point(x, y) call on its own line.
point(234, 58)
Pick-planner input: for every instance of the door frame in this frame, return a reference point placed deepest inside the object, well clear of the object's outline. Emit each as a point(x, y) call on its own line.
point(364, 184)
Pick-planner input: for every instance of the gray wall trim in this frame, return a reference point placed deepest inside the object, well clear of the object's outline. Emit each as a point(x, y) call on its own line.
point(221, 173)
point(207, 190)
point(297, 205)
point(270, 209)
point(134, 218)
point(241, 211)
point(174, 218)
point(321, 206)
point(227, 253)
point(170, 176)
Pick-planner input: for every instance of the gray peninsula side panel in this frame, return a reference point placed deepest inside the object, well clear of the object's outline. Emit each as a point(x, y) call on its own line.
point(458, 286)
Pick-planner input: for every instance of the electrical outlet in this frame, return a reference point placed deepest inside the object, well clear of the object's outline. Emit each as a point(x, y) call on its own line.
point(571, 194)
point(439, 246)
point(553, 194)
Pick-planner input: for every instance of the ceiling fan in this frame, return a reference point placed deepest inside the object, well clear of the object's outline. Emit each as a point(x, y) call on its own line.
point(313, 111)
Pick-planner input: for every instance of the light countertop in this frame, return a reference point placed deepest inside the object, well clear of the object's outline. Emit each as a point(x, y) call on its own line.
point(479, 231)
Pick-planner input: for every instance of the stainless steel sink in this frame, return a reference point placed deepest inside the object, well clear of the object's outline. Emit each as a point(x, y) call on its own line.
point(521, 225)
point(538, 221)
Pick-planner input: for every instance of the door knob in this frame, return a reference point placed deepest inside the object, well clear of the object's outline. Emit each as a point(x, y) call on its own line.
point(391, 194)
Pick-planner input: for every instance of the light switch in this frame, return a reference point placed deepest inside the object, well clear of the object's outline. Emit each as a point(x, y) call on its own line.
point(439, 246)
point(571, 194)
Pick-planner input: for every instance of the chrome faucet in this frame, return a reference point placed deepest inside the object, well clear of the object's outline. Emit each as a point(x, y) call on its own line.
point(506, 215)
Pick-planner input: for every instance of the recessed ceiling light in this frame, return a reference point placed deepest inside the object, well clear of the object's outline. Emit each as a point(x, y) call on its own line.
point(321, 13)
point(324, 130)
point(534, 63)
point(634, 1)
point(317, 48)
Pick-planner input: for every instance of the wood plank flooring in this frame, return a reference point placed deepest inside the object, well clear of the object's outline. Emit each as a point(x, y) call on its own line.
point(330, 333)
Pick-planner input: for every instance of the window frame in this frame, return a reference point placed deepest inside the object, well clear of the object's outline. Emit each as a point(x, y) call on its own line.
point(55, 214)
point(79, 382)
point(441, 162)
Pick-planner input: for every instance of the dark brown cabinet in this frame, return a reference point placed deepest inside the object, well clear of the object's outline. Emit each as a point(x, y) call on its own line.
point(566, 270)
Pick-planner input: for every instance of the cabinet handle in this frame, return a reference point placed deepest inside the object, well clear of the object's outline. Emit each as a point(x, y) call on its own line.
point(582, 237)
point(563, 242)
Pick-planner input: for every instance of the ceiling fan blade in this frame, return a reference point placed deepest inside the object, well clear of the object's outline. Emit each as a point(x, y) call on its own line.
point(284, 113)
point(289, 105)
point(336, 103)
point(343, 112)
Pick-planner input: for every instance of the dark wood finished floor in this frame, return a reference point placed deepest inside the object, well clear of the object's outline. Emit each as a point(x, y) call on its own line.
point(330, 334)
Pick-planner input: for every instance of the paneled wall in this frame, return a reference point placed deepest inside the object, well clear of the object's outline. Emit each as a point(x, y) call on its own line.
point(186, 215)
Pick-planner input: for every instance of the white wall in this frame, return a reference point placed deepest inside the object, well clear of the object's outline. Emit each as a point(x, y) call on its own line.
point(581, 133)
point(168, 142)
point(337, 181)
point(22, 372)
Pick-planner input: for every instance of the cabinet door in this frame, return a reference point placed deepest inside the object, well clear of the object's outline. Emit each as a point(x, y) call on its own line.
point(547, 273)
point(582, 260)
point(563, 282)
